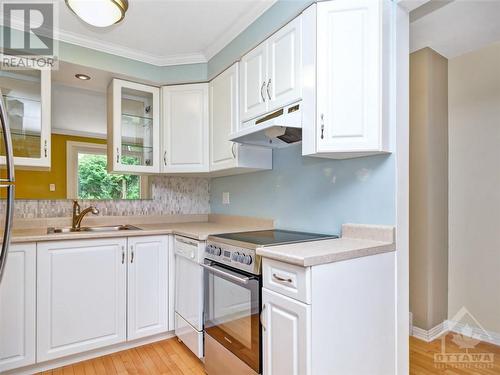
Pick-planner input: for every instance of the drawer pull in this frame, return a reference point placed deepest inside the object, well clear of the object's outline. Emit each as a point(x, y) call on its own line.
point(282, 279)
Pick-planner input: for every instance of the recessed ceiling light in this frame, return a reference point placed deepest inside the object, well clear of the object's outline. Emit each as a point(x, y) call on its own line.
point(100, 13)
point(83, 77)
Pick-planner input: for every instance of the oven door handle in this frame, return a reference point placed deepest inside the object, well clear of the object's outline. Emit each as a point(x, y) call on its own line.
point(220, 271)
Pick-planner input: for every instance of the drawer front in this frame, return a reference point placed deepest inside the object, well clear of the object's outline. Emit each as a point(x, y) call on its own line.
point(287, 279)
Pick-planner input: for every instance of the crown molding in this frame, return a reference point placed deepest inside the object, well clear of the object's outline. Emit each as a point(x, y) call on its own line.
point(129, 53)
point(237, 28)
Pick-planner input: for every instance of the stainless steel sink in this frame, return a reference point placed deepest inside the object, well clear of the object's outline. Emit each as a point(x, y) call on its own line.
point(109, 228)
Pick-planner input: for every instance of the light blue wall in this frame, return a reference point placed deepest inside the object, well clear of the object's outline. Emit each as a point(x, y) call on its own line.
point(312, 194)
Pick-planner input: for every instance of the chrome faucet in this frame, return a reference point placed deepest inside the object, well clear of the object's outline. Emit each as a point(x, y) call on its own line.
point(78, 216)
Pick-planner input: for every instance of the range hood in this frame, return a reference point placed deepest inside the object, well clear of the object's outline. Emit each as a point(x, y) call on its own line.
point(278, 129)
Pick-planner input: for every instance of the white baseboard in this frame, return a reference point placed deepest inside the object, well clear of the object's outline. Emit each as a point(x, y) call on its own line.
point(60, 362)
point(457, 327)
point(431, 334)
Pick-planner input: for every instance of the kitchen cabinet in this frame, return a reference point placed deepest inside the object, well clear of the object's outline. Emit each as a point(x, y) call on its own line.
point(81, 297)
point(271, 73)
point(27, 96)
point(185, 140)
point(18, 308)
point(227, 157)
point(147, 286)
point(133, 127)
point(286, 332)
point(346, 54)
point(345, 324)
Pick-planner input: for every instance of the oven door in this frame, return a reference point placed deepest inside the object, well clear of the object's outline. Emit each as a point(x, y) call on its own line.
point(232, 307)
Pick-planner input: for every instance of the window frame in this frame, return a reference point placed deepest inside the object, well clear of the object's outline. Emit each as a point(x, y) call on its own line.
point(73, 148)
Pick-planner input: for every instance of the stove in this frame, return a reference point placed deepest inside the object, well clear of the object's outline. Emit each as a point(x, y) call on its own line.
point(238, 250)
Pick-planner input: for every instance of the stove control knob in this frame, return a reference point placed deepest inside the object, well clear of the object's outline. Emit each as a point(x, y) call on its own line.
point(247, 260)
point(217, 251)
point(235, 256)
point(241, 258)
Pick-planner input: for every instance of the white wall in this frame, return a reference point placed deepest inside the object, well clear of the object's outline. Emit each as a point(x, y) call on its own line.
point(474, 182)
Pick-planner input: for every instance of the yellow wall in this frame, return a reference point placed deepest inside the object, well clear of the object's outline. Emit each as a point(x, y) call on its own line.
point(35, 184)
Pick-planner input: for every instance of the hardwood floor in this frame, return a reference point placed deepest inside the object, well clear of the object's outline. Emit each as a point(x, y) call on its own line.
point(483, 358)
point(163, 357)
point(171, 357)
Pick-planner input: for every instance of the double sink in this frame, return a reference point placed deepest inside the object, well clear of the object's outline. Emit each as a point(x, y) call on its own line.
point(109, 228)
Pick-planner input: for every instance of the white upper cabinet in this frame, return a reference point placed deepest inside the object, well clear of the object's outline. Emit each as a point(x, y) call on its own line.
point(27, 97)
point(284, 84)
point(18, 308)
point(147, 286)
point(133, 127)
point(253, 81)
point(348, 98)
point(270, 75)
point(185, 128)
point(224, 116)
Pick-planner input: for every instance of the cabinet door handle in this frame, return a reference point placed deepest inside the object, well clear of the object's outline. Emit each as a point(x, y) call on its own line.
point(262, 317)
point(268, 89)
point(165, 158)
point(232, 150)
point(132, 254)
point(123, 255)
point(118, 154)
point(322, 126)
point(282, 279)
point(261, 93)
point(45, 147)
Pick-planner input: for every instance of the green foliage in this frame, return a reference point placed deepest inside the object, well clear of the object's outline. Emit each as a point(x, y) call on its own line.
point(94, 181)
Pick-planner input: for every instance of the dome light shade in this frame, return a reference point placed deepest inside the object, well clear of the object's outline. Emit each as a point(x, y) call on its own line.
point(100, 13)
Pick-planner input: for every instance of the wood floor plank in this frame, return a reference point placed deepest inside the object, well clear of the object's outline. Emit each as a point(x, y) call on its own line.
point(171, 357)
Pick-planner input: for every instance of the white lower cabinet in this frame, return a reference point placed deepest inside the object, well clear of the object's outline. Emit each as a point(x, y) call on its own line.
point(286, 335)
point(99, 292)
point(82, 296)
point(17, 308)
point(336, 318)
point(147, 286)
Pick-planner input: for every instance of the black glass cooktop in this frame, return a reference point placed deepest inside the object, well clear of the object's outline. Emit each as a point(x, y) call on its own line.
point(273, 237)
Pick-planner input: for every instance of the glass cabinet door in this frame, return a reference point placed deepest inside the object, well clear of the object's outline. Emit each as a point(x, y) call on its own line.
point(135, 127)
point(26, 94)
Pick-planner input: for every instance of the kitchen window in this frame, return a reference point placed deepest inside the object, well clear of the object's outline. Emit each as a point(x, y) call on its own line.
point(88, 177)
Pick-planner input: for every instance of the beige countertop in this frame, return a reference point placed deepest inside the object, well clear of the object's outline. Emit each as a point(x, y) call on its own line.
point(200, 228)
point(356, 241)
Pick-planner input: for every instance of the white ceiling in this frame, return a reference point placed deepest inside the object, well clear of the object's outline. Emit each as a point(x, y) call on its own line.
point(457, 27)
point(166, 32)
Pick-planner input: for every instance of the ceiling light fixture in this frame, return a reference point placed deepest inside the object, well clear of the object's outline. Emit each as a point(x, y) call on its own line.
point(83, 77)
point(100, 13)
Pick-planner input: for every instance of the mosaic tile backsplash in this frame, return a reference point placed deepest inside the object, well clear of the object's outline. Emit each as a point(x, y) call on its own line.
point(170, 196)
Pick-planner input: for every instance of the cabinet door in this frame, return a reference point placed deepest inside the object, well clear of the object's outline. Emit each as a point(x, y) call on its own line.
point(286, 335)
point(185, 128)
point(133, 127)
point(253, 81)
point(285, 65)
point(17, 308)
point(27, 96)
point(147, 286)
point(349, 48)
point(223, 119)
point(81, 296)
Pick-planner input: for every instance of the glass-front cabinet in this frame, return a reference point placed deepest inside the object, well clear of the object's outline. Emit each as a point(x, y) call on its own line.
point(26, 94)
point(133, 127)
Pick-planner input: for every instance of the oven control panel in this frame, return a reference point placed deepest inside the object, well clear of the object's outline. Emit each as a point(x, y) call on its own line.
point(233, 256)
